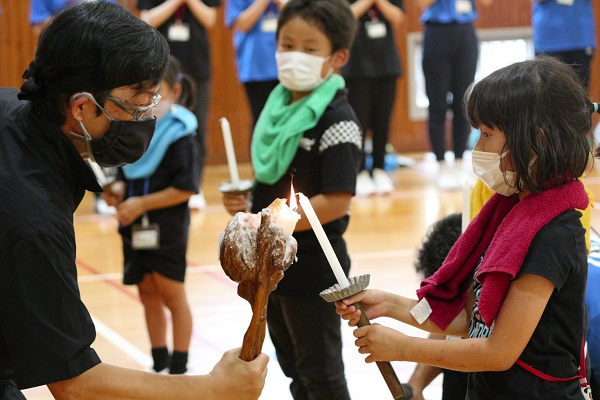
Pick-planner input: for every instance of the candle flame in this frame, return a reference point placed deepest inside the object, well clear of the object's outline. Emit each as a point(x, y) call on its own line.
point(293, 202)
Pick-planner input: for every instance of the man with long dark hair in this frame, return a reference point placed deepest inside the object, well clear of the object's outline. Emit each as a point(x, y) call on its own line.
point(89, 94)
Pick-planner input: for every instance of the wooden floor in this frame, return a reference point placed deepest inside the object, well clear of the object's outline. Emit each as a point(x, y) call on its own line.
point(383, 236)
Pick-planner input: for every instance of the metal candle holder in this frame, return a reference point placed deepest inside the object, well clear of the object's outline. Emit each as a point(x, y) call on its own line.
point(357, 284)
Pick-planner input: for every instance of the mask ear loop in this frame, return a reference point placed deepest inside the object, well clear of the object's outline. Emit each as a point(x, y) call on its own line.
point(595, 105)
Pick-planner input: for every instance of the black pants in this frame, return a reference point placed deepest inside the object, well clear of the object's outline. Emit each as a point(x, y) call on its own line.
point(580, 60)
point(257, 94)
point(450, 54)
point(373, 100)
point(307, 339)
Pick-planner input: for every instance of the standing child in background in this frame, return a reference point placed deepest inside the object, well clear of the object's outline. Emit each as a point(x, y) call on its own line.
point(308, 132)
point(151, 199)
point(514, 283)
point(450, 52)
point(186, 25)
point(254, 23)
point(371, 75)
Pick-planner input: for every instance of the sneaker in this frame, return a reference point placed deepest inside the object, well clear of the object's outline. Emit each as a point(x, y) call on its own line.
point(102, 208)
point(197, 202)
point(365, 186)
point(449, 177)
point(383, 182)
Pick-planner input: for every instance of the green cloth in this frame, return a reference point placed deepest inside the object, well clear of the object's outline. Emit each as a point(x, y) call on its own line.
point(281, 126)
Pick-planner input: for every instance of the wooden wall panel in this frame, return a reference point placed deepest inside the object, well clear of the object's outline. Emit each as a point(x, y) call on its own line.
point(17, 43)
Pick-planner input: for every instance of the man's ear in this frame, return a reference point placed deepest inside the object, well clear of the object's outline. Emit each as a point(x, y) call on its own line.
point(340, 58)
point(76, 105)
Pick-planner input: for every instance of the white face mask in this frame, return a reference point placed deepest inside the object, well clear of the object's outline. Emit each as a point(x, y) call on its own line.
point(486, 166)
point(300, 72)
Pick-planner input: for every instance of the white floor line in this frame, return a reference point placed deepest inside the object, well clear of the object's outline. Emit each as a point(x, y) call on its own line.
point(123, 344)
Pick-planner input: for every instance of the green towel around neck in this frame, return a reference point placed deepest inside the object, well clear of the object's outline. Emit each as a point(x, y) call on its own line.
point(281, 126)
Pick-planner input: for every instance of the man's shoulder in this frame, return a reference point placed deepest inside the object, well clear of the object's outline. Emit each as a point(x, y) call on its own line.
point(8, 96)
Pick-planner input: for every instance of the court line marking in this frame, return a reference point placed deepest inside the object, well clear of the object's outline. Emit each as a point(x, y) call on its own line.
point(121, 343)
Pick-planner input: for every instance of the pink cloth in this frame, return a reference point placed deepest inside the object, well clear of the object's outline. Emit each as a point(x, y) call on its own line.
point(503, 230)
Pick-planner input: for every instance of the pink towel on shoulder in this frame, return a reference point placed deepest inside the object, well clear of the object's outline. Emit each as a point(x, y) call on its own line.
point(503, 231)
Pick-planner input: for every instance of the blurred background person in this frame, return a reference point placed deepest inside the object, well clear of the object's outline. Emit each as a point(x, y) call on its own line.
point(371, 75)
point(450, 52)
point(254, 23)
point(565, 29)
point(185, 25)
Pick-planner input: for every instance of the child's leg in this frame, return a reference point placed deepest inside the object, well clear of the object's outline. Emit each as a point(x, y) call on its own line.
point(156, 321)
point(315, 331)
point(174, 297)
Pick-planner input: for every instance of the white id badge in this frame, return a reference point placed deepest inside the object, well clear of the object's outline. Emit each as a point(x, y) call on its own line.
point(375, 29)
point(179, 32)
point(145, 236)
point(269, 23)
point(463, 6)
point(565, 2)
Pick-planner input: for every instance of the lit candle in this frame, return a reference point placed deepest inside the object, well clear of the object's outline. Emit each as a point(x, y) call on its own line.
point(288, 217)
point(323, 241)
point(230, 152)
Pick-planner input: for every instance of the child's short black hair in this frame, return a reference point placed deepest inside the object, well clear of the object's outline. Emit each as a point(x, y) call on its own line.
point(333, 17)
point(437, 243)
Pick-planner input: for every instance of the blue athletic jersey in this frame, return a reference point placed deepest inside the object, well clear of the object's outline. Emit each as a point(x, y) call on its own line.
point(448, 12)
point(562, 27)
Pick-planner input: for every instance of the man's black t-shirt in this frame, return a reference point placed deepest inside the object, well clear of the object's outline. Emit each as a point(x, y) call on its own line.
point(45, 329)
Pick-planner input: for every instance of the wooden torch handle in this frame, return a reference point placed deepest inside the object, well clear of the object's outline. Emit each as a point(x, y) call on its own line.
point(385, 367)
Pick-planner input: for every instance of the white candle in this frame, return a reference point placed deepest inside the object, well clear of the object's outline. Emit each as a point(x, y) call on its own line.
point(287, 219)
point(323, 241)
point(230, 152)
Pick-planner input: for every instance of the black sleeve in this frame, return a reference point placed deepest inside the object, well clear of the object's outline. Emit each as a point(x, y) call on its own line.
point(182, 161)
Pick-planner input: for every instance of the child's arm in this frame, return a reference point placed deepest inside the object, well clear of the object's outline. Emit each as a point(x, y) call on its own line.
point(328, 207)
point(206, 15)
point(235, 203)
point(391, 12)
point(520, 314)
point(378, 303)
point(360, 7)
point(132, 208)
point(250, 16)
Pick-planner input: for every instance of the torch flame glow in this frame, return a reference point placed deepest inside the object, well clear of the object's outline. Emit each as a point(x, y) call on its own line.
point(293, 202)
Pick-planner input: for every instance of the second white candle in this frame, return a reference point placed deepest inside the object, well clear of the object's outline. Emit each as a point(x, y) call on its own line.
point(323, 241)
point(230, 152)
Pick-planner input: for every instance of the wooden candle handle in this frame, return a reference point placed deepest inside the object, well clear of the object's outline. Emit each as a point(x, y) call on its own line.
point(385, 367)
point(255, 335)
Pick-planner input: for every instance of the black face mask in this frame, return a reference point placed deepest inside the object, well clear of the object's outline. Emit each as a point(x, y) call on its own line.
point(123, 143)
